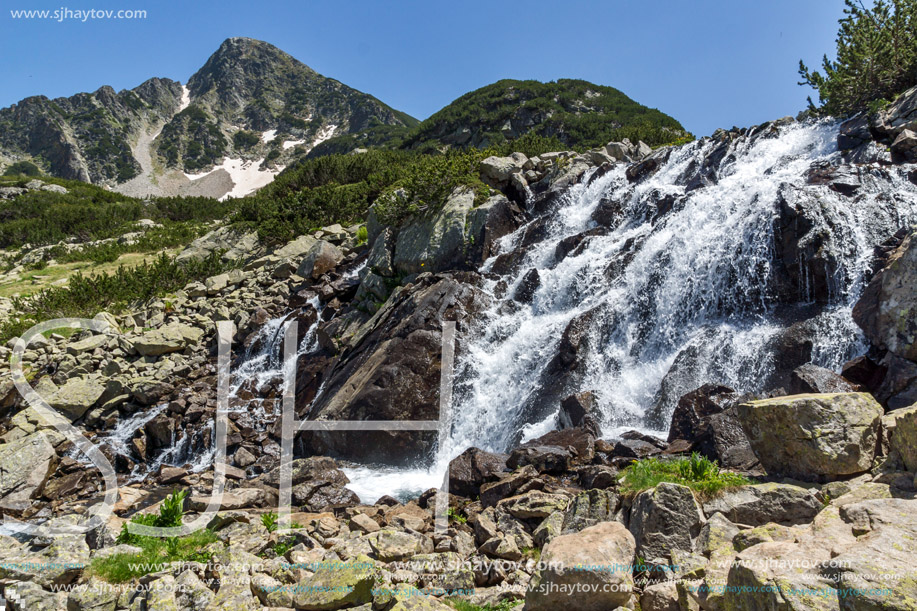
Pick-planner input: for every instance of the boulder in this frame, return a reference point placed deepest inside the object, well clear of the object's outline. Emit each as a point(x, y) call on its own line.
point(665, 518)
point(322, 257)
point(759, 504)
point(534, 505)
point(436, 240)
point(587, 571)
point(693, 407)
point(234, 244)
point(814, 379)
point(27, 463)
point(903, 438)
point(77, 396)
point(887, 311)
point(580, 410)
point(507, 485)
point(473, 468)
point(498, 170)
point(337, 585)
point(589, 508)
point(394, 546)
point(814, 436)
point(174, 337)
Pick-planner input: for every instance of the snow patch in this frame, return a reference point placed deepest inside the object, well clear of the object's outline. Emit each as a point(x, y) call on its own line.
point(268, 135)
point(246, 175)
point(324, 134)
point(185, 98)
point(288, 144)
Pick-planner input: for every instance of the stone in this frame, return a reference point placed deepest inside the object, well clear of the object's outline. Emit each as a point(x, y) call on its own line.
point(580, 410)
point(814, 379)
point(86, 345)
point(77, 396)
point(759, 504)
point(393, 546)
point(534, 505)
point(499, 169)
point(321, 258)
point(472, 468)
point(693, 407)
point(665, 518)
point(237, 498)
point(174, 337)
point(27, 462)
point(364, 523)
point(436, 240)
point(887, 310)
point(813, 436)
point(716, 536)
point(660, 597)
point(589, 508)
point(494, 492)
point(905, 144)
point(380, 259)
point(903, 439)
point(561, 582)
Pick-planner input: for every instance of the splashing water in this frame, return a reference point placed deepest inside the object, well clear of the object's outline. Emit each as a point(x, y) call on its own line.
point(691, 296)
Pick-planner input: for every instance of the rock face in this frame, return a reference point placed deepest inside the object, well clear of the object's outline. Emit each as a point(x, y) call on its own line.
point(566, 582)
point(887, 311)
point(391, 370)
point(762, 503)
point(814, 436)
point(473, 468)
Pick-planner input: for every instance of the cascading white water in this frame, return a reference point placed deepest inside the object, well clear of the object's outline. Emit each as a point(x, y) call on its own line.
point(694, 281)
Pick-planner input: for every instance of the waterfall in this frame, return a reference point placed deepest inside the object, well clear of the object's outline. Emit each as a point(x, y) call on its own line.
point(692, 296)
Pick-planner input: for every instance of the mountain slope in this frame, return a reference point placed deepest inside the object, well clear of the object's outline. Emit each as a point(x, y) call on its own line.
point(86, 136)
point(578, 114)
point(243, 116)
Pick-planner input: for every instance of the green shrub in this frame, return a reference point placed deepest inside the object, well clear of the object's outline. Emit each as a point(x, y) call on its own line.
point(85, 296)
point(245, 140)
point(876, 58)
point(696, 472)
point(154, 555)
point(22, 168)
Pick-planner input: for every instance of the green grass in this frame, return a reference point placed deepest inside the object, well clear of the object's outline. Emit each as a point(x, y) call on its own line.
point(119, 568)
point(86, 296)
point(696, 472)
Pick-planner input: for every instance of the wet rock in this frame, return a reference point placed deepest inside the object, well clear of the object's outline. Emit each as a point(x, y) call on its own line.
point(698, 404)
point(814, 379)
point(525, 291)
point(390, 371)
point(493, 492)
point(580, 410)
point(811, 437)
point(887, 311)
point(473, 468)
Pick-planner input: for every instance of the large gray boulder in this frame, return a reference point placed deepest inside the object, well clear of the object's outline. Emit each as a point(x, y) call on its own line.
point(173, 337)
point(564, 579)
point(77, 396)
point(27, 464)
point(435, 241)
point(665, 519)
point(813, 437)
point(321, 258)
point(762, 503)
point(903, 435)
point(887, 311)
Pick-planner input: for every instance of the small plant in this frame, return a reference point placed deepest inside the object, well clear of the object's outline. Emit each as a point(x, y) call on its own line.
point(362, 235)
point(697, 472)
point(269, 520)
point(455, 516)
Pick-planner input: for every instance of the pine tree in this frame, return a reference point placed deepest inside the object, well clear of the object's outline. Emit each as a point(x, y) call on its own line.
point(876, 58)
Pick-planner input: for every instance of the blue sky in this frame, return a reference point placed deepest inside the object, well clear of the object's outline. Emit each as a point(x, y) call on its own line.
point(707, 63)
